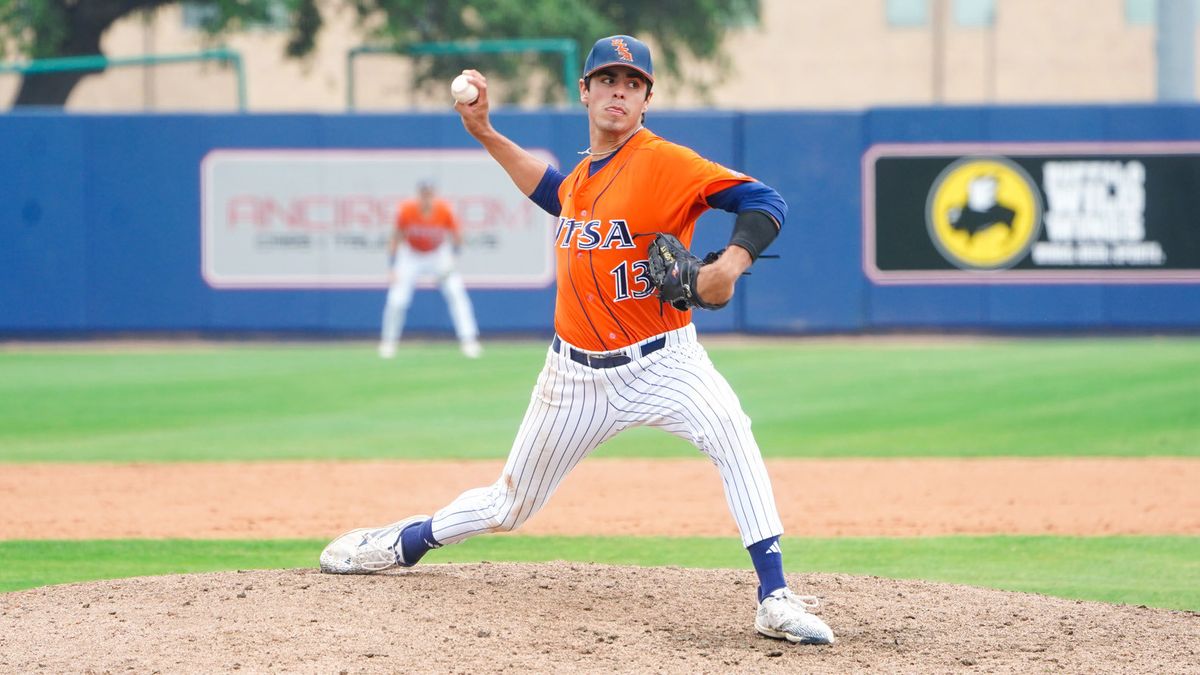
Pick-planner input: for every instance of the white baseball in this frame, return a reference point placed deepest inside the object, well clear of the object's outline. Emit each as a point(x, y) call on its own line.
point(463, 91)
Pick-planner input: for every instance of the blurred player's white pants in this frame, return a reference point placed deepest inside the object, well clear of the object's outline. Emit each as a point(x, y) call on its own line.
point(409, 267)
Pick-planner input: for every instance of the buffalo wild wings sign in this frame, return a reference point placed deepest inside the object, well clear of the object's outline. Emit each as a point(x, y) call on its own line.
point(1046, 213)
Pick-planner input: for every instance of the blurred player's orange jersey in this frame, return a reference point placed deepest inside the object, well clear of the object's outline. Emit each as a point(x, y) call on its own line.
point(605, 300)
point(425, 230)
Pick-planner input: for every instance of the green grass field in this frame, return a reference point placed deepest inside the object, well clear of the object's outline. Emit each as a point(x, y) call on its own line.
point(1132, 397)
point(1102, 397)
point(1155, 571)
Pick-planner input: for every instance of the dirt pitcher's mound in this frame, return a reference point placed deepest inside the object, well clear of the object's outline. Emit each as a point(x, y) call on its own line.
point(563, 617)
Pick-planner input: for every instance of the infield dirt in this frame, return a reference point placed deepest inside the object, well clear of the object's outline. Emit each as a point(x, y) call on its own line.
point(564, 617)
point(817, 498)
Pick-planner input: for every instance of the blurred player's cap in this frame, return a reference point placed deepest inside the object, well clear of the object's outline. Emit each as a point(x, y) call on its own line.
point(425, 184)
point(619, 50)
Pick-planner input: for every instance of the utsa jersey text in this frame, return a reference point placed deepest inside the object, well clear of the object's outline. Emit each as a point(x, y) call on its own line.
point(586, 235)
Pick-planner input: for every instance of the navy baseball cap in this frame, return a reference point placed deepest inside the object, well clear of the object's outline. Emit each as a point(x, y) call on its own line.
point(619, 50)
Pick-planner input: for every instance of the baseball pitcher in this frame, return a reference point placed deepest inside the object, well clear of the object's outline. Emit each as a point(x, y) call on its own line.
point(624, 352)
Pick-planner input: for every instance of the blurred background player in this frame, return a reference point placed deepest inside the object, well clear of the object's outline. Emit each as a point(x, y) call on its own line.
point(425, 242)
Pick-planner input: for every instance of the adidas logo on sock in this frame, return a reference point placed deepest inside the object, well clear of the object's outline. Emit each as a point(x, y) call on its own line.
point(775, 549)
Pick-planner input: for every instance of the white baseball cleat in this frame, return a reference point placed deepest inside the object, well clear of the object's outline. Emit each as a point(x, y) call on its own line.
point(471, 349)
point(387, 350)
point(366, 550)
point(784, 615)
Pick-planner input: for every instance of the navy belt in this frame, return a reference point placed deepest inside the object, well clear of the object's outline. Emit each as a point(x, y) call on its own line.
point(613, 360)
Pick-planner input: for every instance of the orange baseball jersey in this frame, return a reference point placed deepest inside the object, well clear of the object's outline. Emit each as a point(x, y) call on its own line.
point(605, 300)
point(426, 230)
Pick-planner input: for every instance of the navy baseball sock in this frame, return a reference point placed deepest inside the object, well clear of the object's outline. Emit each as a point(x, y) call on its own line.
point(416, 540)
point(768, 562)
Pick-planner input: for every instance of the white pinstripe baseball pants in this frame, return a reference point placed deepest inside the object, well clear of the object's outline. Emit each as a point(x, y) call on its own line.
point(574, 408)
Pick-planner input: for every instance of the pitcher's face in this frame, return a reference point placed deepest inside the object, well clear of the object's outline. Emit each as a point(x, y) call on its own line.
point(616, 98)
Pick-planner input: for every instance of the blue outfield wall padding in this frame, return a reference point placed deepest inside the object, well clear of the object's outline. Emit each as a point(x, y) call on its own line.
point(44, 201)
point(1045, 307)
point(1030, 124)
point(1133, 307)
point(923, 125)
point(100, 216)
point(904, 307)
point(1161, 122)
point(143, 230)
point(813, 160)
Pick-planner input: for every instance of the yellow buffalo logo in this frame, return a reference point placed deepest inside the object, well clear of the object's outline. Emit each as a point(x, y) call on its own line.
point(984, 213)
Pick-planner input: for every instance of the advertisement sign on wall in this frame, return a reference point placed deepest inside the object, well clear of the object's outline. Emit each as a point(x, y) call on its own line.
point(1049, 213)
point(323, 218)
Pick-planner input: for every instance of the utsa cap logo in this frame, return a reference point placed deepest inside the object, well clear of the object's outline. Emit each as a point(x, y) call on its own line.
point(620, 50)
point(984, 213)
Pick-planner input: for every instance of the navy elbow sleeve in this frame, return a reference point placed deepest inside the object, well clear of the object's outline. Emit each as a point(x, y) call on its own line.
point(754, 231)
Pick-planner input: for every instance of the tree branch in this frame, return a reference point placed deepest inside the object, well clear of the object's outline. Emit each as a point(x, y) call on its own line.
point(87, 20)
